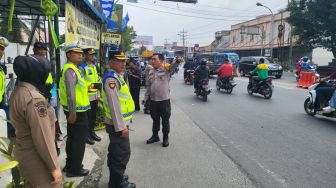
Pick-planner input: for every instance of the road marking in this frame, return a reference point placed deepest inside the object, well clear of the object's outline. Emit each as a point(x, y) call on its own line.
point(290, 86)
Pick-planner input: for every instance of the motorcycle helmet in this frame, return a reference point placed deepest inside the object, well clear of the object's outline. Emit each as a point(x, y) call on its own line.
point(226, 60)
point(305, 59)
point(204, 61)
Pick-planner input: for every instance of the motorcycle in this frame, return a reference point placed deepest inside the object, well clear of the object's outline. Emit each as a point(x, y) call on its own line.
point(263, 87)
point(203, 89)
point(225, 83)
point(310, 105)
point(189, 79)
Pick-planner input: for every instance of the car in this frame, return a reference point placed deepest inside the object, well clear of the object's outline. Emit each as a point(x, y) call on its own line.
point(248, 64)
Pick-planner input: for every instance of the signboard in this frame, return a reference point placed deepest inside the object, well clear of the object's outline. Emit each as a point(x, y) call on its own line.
point(267, 52)
point(144, 40)
point(80, 27)
point(111, 38)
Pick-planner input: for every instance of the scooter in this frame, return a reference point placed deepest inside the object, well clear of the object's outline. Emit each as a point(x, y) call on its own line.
point(263, 87)
point(189, 77)
point(310, 104)
point(225, 83)
point(203, 89)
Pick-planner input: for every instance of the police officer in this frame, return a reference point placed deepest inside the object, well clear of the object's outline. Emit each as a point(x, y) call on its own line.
point(33, 123)
point(159, 92)
point(118, 109)
point(90, 73)
point(75, 101)
point(41, 49)
point(3, 45)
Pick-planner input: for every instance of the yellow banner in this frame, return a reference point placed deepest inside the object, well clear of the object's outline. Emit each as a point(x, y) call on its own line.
point(111, 38)
point(80, 27)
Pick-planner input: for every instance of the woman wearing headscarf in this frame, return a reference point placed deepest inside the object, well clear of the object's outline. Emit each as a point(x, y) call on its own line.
point(34, 120)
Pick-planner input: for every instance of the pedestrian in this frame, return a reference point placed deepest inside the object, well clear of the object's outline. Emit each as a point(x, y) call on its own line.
point(159, 92)
point(134, 81)
point(118, 109)
point(75, 101)
point(89, 70)
point(33, 122)
point(3, 45)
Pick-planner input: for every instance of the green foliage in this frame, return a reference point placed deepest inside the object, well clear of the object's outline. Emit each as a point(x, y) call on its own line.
point(314, 22)
point(128, 39)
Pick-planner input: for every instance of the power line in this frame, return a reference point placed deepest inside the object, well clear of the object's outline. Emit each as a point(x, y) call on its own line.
point(177, 14)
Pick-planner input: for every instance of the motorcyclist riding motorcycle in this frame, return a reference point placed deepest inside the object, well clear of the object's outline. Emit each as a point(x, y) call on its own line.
point(325, 91)
point(262, 71)
point(189, 65)
point(225, 70)
point(201, 72)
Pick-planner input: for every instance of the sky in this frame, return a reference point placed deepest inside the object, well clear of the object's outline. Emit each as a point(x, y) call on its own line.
point(165, 20)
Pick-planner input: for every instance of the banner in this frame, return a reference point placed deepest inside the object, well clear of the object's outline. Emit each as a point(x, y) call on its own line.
point(111, 38)
point(80, 27)
point(117, 14)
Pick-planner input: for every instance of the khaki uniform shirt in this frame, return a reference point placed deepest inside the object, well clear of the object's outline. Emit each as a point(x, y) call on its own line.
point(33, 119)
point(111, 87)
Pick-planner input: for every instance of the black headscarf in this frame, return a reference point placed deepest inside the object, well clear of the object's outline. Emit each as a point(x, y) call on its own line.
point(33, 69)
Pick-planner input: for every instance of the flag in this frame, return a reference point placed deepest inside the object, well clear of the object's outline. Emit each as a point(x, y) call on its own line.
point(124, 22)
point(107, 6)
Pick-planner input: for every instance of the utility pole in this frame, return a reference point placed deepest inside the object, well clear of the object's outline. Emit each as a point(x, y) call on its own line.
point(290, 45)
point(183, 36)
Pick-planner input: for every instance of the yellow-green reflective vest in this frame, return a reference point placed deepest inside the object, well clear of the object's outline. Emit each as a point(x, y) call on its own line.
point(82, 98)
point(49, 79)
point(2, 84)
point(124, 95)
point(91, 76)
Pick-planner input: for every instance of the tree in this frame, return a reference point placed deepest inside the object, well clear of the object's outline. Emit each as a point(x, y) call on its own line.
point(314, 22)
point(128, 39)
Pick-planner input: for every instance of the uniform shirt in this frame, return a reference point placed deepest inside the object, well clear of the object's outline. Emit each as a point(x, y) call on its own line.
point(159, 89)
point(32, 120)
point(225, 70)
point(70, 84)
point(111, 89)
point(82, 70)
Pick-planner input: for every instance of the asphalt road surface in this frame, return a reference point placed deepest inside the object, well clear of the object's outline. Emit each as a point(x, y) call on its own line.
point(273, 141)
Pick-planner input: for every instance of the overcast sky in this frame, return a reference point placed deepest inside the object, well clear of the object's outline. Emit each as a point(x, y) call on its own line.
point(164, 20)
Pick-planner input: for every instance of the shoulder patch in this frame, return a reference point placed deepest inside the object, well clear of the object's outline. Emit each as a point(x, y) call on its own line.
point(41, 109)
point(112, 84)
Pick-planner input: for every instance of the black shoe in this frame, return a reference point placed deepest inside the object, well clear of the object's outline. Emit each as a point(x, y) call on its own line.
point(89, 140)
point(82, 172)
point(153, 139)
point(95, 137)
point(66, 168)
point(126, 184)
point(165, 141)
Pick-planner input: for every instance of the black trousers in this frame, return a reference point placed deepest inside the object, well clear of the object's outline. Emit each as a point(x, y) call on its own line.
point(135, 92)
point(160, 110)
point(119, 152)
point(92, 115)
point(75, 143)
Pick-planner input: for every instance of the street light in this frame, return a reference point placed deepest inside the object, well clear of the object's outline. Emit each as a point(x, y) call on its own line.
point(271, 33)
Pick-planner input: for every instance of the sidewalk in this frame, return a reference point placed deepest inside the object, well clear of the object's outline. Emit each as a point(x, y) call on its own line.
point(191, 160)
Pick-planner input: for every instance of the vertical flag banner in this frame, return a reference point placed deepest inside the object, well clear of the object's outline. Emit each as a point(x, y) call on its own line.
point(107, 6)
point(117, 16)
point(124, 23)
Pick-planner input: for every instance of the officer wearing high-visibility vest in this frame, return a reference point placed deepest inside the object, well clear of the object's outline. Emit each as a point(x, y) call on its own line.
point(41, 49)
point(3, 45)
point(118, 110)
point(90, 73)
point(75, 101)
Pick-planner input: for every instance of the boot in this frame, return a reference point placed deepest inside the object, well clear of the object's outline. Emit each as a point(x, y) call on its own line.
point(165, 141)
point(154, 138)
point(95, 137)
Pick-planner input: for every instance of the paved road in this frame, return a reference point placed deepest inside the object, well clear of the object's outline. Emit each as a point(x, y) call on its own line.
point(273, 141)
